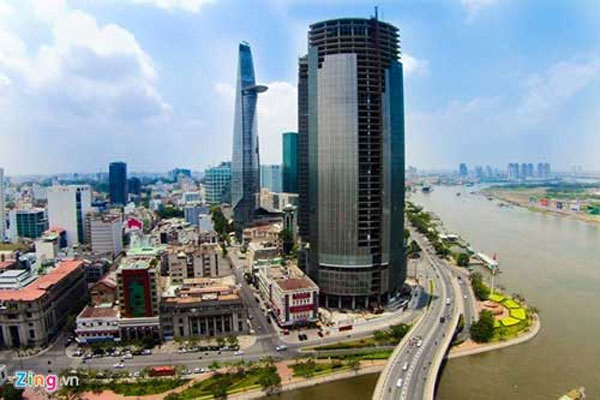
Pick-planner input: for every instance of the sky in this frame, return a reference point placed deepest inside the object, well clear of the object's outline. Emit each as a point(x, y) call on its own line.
point(151, 82)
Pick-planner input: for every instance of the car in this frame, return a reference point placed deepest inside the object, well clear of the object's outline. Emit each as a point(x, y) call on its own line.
point(197, 370)
point(187, 372)
point(78, 353)
point(442, 320)
point(239, 353)
point(465, 296)
point(136, 374)
point(320, 334)
point(119, 365)
point(282, 347)
point(447, 300)
point(399, 383)
point(405, 366)
point(146, 352)
point(127, 356)
point(419, 343)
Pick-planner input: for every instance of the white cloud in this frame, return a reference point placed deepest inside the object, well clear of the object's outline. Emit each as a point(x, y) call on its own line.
point(192, 6)
point(414, 66)
point(473, 6)
point(85, 69)
point(557, 84)
point(277, 113)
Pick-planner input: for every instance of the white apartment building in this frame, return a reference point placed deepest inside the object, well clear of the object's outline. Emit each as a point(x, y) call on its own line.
point(106, 234)
point(67, 208)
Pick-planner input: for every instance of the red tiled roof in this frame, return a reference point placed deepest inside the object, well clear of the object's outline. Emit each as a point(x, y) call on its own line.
point(38, 288)
point(7, 264)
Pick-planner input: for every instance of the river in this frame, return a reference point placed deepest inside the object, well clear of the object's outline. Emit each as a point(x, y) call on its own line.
point(554, 263)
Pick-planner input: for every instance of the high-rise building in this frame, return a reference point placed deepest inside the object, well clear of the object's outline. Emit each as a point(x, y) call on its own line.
point(134, 186)
point(303, 147)
point(290, 162)
point(67, 208)
point(355, 160)
point(245, 171)
point(117, 183)
point(463, 171)
point(217, 183)
point(512, 171)
point(30, 223)
point(270, 177)
point(2, 210)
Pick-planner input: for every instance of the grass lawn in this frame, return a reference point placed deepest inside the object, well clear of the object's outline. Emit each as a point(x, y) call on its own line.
point(139, 388)
point(518, 313)
point(509, 321)
point(498, 298)
point(510, 303)
point(306, 370)
point(368, 355)
point(232, 381)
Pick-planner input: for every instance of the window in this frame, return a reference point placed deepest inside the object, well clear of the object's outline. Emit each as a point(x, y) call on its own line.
point(31, 334)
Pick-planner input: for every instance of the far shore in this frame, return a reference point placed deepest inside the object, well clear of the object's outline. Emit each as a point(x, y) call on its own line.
point(522, 200)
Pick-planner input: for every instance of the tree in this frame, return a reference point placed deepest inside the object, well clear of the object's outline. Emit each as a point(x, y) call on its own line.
point(481, 291)
point(232, 341)
point(287, 240)
point(482, 331)
point(214, 365)
point(219, 389)
point(380, 336)
point(220, 342)
point(270, 380)
point(354, 364)
point(399, 331)
point(173, 396)
point(9, 392)
point(462, 259)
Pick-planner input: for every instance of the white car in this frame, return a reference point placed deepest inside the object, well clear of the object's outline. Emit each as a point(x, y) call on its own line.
point(399, 383)
point(419, 343)
point(127, 356)
point(405, 366)
point(239, 353)
point(197, 370)
point(119, 365)
point(282, 347)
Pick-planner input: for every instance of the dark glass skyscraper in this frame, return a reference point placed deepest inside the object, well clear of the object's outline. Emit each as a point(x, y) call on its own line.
point(117, 182)
point(245, 164)
point(290, 162)
point(352, 141)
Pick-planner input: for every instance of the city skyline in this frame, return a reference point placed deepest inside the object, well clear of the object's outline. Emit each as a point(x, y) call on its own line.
point(507, 107)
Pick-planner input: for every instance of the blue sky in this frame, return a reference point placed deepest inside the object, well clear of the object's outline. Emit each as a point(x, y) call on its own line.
point(150, 82)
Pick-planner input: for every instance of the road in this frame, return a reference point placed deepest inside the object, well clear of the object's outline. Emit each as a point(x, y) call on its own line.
point(267, 339)
point(406, 375)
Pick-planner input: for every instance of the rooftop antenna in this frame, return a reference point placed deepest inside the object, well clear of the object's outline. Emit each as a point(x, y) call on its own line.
point(376, 9)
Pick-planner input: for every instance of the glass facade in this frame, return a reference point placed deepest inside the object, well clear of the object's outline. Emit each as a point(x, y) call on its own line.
point(270, 177)
point(245, 173)
point(31, 223)
point(290, 162)
point(117, 183)
point(217, 182)
point(352, 86)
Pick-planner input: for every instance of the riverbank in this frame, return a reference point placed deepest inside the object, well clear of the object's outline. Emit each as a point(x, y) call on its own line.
point(465, 349)
point(520, 198)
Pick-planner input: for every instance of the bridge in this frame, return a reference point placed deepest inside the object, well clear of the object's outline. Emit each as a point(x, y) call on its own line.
point(412, 369)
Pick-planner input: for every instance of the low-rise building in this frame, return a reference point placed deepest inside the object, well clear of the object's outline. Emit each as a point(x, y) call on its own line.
point(201, 308)
point(292, 296)
point(96, 324)
point(205, 260)
point(105, 290)
point(33, 314)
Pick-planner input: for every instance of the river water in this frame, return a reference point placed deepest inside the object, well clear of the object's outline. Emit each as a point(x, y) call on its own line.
point(554, 263)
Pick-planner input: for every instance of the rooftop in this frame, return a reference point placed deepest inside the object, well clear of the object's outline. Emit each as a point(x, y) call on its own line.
point(99, 312)
point(295, 283)
point(44, 283)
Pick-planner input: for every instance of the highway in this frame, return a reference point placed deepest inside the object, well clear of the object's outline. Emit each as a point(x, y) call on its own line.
point(412, 369)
